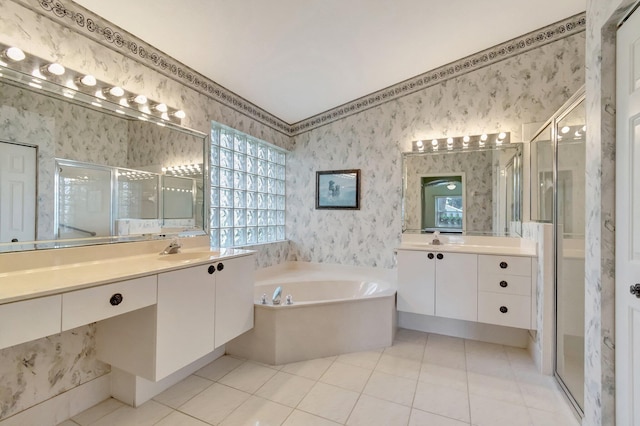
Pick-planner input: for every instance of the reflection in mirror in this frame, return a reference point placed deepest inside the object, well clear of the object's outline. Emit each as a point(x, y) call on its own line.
point(443, 203)
point(95, 142)
point(542, 176)
point(491, 183)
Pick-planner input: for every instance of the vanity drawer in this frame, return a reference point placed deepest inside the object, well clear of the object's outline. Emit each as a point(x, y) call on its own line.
point(505, 284)
point(504, 309)
point(29, 320)
point(97, 303)
point(512, 265)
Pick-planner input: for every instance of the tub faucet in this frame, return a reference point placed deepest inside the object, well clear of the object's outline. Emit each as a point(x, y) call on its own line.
point(172, 248)
point(276, 296)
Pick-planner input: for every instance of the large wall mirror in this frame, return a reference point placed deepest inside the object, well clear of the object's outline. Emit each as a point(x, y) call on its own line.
point(77, 172)
point(470, 191)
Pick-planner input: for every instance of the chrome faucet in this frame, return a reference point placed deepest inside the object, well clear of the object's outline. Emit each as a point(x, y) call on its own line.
point(172, 248)
point(276, 296)
point(436, 238)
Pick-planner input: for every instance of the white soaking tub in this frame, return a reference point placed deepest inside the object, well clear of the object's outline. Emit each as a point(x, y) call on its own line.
point(336, 309)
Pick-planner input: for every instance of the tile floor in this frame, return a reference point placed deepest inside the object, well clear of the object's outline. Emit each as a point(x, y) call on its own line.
point(423, 379)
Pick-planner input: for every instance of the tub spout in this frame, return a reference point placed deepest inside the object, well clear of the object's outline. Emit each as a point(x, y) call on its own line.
point(276, 296)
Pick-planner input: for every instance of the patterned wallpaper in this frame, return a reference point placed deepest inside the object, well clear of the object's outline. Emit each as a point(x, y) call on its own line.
point(527, 88)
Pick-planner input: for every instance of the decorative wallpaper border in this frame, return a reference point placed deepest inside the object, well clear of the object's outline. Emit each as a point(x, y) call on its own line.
point(516, 46)
point(97, 28)
point(104, 32)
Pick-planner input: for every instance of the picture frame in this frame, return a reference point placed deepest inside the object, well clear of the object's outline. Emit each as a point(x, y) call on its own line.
point(338, 189)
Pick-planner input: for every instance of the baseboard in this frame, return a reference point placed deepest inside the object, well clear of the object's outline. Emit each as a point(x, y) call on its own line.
point(465, 329)
point(63, 406)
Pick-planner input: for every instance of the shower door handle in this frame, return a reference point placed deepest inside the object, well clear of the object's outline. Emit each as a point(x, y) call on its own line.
point(635, 290)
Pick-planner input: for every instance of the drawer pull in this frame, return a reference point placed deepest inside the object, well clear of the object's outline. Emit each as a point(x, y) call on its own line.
point(440, 256)
point(220, 266)
point(116, 299)
point(211, 269)
point(503, 284)
point(503, 309)
point(503, 265)
point(430, 255)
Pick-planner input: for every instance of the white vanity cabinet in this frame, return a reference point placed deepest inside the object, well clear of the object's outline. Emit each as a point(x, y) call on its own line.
point(436, 283)
point(185, 318)
point(504, 296)
point(491, 289)
point(199, 308)
point(416, 282)
point(234, 298)
point(457, 286)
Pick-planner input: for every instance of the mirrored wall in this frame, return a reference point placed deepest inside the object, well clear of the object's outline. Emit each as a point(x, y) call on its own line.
point(83, 169)
point(467, 191)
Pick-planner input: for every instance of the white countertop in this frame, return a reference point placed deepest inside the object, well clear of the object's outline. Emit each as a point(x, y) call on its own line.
point(63, 276)
point(504, 246)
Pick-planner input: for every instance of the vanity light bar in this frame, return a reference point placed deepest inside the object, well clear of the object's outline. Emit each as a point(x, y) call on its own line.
point(460, 143)
point(18, 60)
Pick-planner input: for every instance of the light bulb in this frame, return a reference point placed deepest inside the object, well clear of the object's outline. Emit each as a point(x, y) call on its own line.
point(466, 140)
point(139, 99)
point(115, 91)
point(451, 186)
point(180, 114)
point(502, 135)
point(15, 54)
point(565, 129)
point(449, 141)
point(419, 144)
point(434, 142)
point(161, 107)
point(54, 68)
point(484, 137)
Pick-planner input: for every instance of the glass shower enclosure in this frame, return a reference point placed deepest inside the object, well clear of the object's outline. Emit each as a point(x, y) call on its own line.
point(558, 197)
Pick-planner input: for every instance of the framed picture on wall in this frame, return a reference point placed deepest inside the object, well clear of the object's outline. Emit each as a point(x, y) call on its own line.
point(338, 189)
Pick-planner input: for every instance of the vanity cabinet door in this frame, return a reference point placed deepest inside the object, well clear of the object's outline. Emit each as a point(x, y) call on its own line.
point(416, 282)
point(457, 286)
point(234, 298)
point(185, 318)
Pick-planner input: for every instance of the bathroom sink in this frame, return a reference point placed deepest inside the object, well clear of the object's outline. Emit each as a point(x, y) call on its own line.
point(187, 256)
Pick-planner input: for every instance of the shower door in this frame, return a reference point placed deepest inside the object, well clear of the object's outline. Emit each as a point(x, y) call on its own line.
point(570, 245)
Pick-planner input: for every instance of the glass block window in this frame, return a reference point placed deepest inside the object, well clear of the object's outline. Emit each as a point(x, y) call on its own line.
point(247, 189)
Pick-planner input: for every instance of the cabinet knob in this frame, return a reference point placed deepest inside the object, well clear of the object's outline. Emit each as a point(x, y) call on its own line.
point(116, 299)
point(503, 284)
point(440, 256)
point(220, 266)
point(503, 265)
point(503, 309)
point(211, 269)
point(430, 255)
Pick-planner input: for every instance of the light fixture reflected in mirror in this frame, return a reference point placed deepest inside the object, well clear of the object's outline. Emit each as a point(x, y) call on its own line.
point(181, 114)
point(451, 186)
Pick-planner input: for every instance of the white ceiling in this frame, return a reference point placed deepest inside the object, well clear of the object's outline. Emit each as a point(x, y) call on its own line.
point(298, 58)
